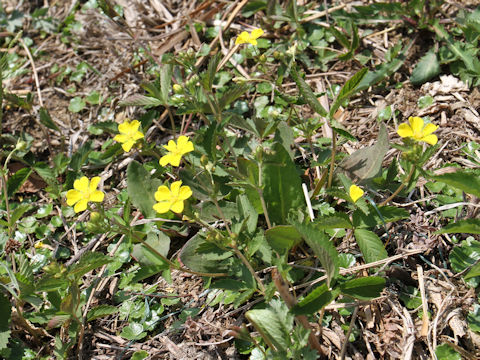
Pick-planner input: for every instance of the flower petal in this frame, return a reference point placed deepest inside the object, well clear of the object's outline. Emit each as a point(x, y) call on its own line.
point(171, 146)
point(94, 183)
point(80, 206)
point(243, 38)
point(162, 207)
point(138, 135)
point(163, 193)
point(257, 33)
point(404, 130)
point(416, 123)
point(355, 192)
point(97, 196)
point(134, 125)
point(253, 42)
point(81, 184)
point(177, 206)
point(124, 127)
point(127, 145)
point(429, 128)
point(73, 196)
point(182, 140)
point(175, 188)
point(175, 159)
point(167, 159)
point(121, 138)
point(184, 193)
point(430, 139)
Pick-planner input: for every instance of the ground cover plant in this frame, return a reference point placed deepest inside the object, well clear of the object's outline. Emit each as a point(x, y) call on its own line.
point(240, 180)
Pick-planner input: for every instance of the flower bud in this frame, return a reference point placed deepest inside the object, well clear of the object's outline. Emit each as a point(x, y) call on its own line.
point(177, 89)
point(21, 145)
point(204, 160)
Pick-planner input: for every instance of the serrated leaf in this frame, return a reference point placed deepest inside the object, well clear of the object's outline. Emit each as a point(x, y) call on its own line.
point(165, 82)
point(389, 214)
point(46, 120)
point(348, 89)
point(426, 68)
point(282, 185)
point(15, 181)
point(49, 284)
point(273, 324)
point(473, 318)
point(334, 221)
point(473, 272)
point(322, 247)
point(282, 238)
point(141, 188)
point(364, 288)
point(100, 311)
point(141, 100)
point(145, 256)
point(465, 255)
point(465, 180)
point(81, 155)
point(364, 164)
point(468, 226)
point(211, 261)
point(6, 311)
point(232, 94)
point(307, 93)
point(316, 300)
point(88, 262)
point(370, 245)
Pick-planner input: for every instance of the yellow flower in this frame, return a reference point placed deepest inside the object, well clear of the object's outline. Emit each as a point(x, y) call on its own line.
point(176, 151)
point(171, 199)
point(39, 245)
point(355, 193)
point(84, 191)
point(251, 38)
point(416, 130)
point(129, 134)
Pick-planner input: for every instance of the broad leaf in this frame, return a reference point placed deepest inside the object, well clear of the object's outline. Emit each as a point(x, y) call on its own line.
point(370, 245)
point(282, 238)
point(141, 100)
point(209, 261)
point(101, 311)
point(322, 247)
point(468, 226)
point(141, 188)
point(165, 82)
point(316, 300)
point(364, 164)
point(87, 263)
point(426, 68)
point(334, 221)
point(364, 288)
point(282, 186)
point(46, 120)
point(17, 180)
point(465, 180)
point(307, 93)
point(349, 89)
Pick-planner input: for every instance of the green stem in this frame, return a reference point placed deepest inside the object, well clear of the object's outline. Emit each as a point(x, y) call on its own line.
point(260, 194)
point(249, 267)
point(400, 188)
point(332, 161)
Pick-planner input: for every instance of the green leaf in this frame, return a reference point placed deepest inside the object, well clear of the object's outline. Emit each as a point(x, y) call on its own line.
point(141, 188)
point(133, 331)
point(426, 68)
point(364, 164)
point(165, 82)
point(370, 245)
point(473, 272)
point(139, 355)
point(247, 211)
point(274, 324)
point(473, 318)
point(80, 157)
point(49, 284)
point(307, 93)
point(446, 352)
point(6, 311)
point(232, 94)
point(465, 255)
point(322, 247)
point(100, 311)
point(389, 214)
point(364, 288)
point(211, 261)
point(77, 104)
point(88, 262)
point(465, 180)
point(17, 180)
point(141, 100)
point(282, 186)
point(348, 89)
point(146, 257)
point(46, 120)
point(316, 300)
point(282, 238)
point(334, 221)
point(468, 226)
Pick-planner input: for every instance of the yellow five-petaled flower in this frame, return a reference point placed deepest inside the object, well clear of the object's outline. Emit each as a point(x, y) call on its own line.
point(416, 130)
point(171, 199)
point(176, 151)
point(84, 191)
point(251, 38)
point(129, 134)
point(355, 193)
